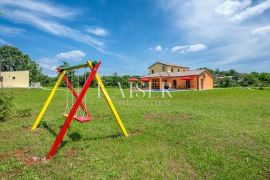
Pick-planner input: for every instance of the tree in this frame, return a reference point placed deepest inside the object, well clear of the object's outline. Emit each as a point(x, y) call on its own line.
point(265, 78)
point(249, 79)
point(226, 82)
point(14, 60)
point(210, 70)
point(74, 79)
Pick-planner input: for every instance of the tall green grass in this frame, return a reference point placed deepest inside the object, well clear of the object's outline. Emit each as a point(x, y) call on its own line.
point(223, 134)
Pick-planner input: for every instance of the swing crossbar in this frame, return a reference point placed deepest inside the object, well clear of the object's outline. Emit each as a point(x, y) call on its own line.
point(73, 67)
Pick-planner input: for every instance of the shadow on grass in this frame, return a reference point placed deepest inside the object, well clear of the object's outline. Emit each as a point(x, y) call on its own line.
point(75, 136)
point(113, 136)
point(47, 127)
point(53, 132)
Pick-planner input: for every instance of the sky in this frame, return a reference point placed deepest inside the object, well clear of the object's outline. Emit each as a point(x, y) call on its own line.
point(130, 35)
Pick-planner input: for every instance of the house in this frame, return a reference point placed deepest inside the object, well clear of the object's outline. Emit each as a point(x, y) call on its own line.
point(162, 75)
point(15, 79)
point(162, 67)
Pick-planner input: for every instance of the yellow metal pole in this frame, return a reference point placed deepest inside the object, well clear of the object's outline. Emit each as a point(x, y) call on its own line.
point(45, 106)
point(109, 102)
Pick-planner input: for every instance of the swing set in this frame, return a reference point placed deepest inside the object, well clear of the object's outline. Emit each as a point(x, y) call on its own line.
point(73, 112)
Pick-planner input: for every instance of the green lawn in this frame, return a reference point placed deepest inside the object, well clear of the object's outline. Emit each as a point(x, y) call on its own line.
point(223, 134)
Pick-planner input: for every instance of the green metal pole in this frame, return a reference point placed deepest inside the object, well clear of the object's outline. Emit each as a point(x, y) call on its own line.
point(73, 67)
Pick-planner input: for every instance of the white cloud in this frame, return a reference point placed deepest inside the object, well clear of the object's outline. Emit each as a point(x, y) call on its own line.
point(44, 8)
point(179, 49)
point(158, 48)
point(252, 11)
point(196, 47)
point(71, 55)
point(41, 15)
point(10, 30)
point(49, 65)
point(189, 48)
point(261, 30)
point(45, 15)
point(231, 43)
point(98, 31)
point(52, 27)
point(231, 7)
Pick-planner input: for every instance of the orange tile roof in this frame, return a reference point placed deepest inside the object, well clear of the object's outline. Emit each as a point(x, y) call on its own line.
point(176, 74)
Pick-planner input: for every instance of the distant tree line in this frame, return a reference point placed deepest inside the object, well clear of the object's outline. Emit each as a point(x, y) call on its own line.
point(232, 78)
point(12, 59)
point(78, 80)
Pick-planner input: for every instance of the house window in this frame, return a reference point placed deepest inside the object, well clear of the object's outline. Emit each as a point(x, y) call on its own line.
point(153, 71)
point(13, 78)
point(178, 70)
point(171, 69)
point(163, 68)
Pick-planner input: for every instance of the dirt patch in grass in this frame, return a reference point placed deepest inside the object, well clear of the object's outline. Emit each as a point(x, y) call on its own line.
point(26, 128)
point(135, 132)
point(3, 156)
point(185, 168)
point(167, 117)
point(22, 155)
point(100, 117)
point(71, 152)
point(11, 175)
point(34, 160)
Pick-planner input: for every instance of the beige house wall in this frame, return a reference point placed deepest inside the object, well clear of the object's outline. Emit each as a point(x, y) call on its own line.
point(156, 68)
point(15, 79)
point(165, 68)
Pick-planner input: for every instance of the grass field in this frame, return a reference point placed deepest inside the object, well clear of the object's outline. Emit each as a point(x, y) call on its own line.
point(221, 134)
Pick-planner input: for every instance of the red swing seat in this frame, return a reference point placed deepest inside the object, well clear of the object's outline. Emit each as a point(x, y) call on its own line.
point(81, 119)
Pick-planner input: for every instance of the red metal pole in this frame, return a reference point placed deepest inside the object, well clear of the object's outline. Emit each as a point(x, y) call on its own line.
point(72, 112)
point(76, 95)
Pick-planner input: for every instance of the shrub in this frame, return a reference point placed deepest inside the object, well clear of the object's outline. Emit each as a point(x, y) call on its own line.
point(6, 107)
point(261, 86)
point(23, 112)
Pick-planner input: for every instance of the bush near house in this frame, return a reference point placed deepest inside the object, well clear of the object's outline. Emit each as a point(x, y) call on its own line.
point(6, 107)
point(232, 78)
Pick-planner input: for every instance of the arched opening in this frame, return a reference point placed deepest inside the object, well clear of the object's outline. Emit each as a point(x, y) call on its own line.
point(174, 84)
